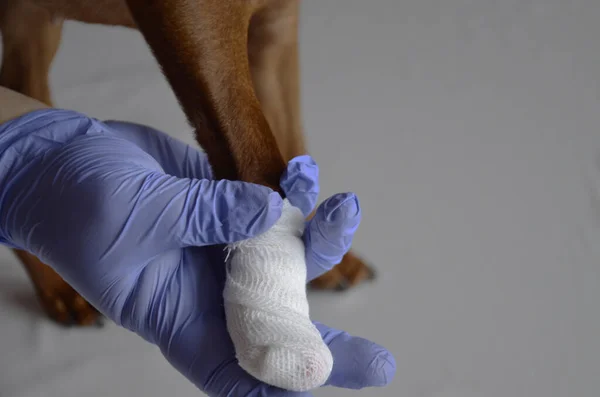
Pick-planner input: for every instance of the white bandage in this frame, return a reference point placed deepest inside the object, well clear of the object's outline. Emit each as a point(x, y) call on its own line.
point(267, 309)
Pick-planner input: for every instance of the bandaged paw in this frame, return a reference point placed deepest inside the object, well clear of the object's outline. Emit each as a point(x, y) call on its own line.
point(267, 309)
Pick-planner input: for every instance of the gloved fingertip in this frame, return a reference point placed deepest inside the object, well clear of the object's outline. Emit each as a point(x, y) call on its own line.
point(382, 369)
point(300, 183)
point(342, 207)
point(225, 212)
point(329, 234)
point(275, 201)
point(272, 214)
point(358, 362)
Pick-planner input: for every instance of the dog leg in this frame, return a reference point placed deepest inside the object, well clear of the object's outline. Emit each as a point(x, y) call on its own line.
point(30, 39)
point(61, 302)
point(274, 64)
point(202, 46)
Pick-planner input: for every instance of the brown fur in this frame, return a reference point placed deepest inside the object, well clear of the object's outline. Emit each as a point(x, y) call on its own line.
point(233, 66)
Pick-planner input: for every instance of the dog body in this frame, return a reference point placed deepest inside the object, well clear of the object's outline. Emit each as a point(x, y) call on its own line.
point(232, 64)
point(105, 12)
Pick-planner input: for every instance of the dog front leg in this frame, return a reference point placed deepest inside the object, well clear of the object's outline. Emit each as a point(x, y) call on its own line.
point(202, 46)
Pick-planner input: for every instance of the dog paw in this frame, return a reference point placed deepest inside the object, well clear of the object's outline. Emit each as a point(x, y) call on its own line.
point(60, 302)
point(350, 272)
point(65, 306)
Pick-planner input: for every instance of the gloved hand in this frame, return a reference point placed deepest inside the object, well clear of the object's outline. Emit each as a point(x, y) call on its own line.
point(132, 220)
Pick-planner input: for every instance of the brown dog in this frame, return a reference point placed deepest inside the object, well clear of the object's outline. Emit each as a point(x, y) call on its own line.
point(233, 65)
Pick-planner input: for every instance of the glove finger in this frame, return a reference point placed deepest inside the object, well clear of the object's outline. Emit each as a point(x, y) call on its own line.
point(357, 362)
point(329, 233)
point(174, 156)
point(191, 212)
point(300, 182)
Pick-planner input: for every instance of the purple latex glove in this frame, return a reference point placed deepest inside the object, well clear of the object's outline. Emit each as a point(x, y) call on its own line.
point(132, 219)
